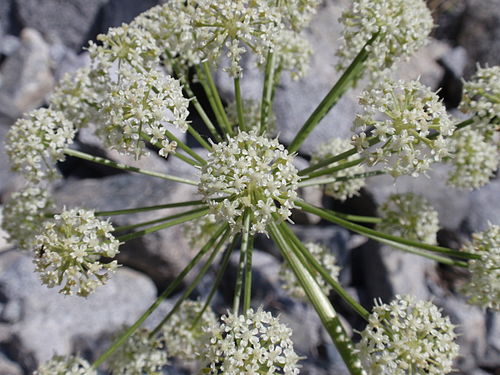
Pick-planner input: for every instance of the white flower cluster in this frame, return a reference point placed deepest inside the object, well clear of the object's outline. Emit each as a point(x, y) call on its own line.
point(475, 160)
point(24, 214)
point(410, 216)
point(252, 173)
point(325, 257)
point(187, 334)
point(35, 143)
point(199, 231)
point(483, 289)
point(403, 115)
point(407, 337)
point(340, 189)
point(299, 12)
point(140, 354)
point(254, 343)
point(70, 365)
point(481, 97)
point(402, 27)
point(251, 116)
point(69, 249)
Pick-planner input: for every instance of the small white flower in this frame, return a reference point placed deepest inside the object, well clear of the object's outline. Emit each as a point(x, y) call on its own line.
point(403, 28)
point(407, 337)
point(474, 159)
point(250, 172)
point(35, 143)
point(299, 12)
point(254, 343)
point(340, 189)
point(410, 216)
point(483, 289)
point(325, 257)
point(481, 98)
point(70, 365)
point(69, 249)
point(186, 333)
point(140, 354)
point(403, 115)
point(24, 214)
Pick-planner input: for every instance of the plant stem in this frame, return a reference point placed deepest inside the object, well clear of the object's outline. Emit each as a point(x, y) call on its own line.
point(148, 208)
point(329, 180)
point(328, 215)
point(337, 168)
point(239, 104)
point(238, 288)
point(199, 138)
point(343, 84)
point(182, 219)
point(185, 147)
point(214, 99)
point(195, 282)
point(110, 163)
point(184, 158)
point(173, 285)
point(267, 91)
point(247, 295)
point(321, 304)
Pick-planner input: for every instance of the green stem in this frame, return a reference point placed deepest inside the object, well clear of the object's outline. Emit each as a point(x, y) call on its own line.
point(180, 220)
point(148, 208)
point(110, 163)
point(159, 220)
point(321, 304)
point(328, 215)
point(216, 100)
point(238, 287)
point(199, 138)
point(173, 286)
point(195, 282)
point(247, 295)
point(332, 170)
point(267, 91)
point(329, 180)
point(310, 259)
point(178, 155)
point(185, 147)
point(239, 104)
point(343, 84)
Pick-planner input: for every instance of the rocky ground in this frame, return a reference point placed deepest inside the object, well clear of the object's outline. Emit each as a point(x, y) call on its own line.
point(40, 41)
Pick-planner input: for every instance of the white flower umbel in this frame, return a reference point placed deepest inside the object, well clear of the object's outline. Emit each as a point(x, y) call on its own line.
point(483, 289)
point(325, 257)
point(199, 231)
point(403, 27)
point(254, 343)
point(475, 160)
point(340, 189)
point(299, 12)
point(250, 173)
point(481, 98)
point(139, 355)
point(24, 214)
point(70, 365)
point(138, 104)
point(293, 53)
point(407, 337)
point(36, 142)
point(186, 334)
point(68, 252)
point(403, 115)
point(409, 215)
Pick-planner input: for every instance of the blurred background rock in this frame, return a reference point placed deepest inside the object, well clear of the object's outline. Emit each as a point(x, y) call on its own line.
point(40, 40)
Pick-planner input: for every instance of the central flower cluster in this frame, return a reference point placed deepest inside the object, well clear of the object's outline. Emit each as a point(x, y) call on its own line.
point(249, 175)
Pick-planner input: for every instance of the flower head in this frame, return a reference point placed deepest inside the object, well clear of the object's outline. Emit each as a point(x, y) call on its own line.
point(70, 365)
point(481, 98)
point(298, 13)
point(341, 189)
point(24, 214)
point(325, 257)
point(411, 216)
point(69, 249)
point(475, 160)
point(407, 336)
point(403, 115)
point(254, 343)
point(250, 173)
point(187, 333)
point(140, 354)
point(35, 143)
point(402, 27)
point(483, 289)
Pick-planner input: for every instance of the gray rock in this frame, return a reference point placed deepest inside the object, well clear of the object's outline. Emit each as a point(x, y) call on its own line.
point(115, 12)
point(65, 60)
point(26, 76)
point(69, 22)
point(7, 367)
point(491, 358)
point(484, 207)
point(161, 255)
point(5, 9)
point(43, 322)
point(480, 33)
point(9, 44)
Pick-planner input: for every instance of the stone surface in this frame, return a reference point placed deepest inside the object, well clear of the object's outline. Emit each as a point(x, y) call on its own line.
point(484, 207)
point(7, 367)
point(26, 76)
point(43, 322)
